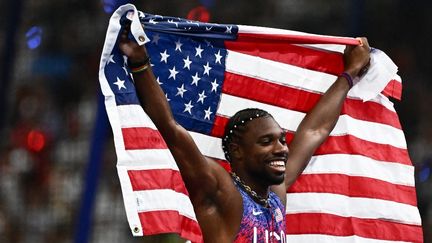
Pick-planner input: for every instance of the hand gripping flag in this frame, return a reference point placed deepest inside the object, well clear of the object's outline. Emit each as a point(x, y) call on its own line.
point(359, 185)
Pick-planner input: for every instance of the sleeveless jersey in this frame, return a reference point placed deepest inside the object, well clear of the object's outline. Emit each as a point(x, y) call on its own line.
point(260, 224)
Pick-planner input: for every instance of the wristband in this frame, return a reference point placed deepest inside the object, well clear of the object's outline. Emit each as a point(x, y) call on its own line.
point(348, 78)
point(139, 66)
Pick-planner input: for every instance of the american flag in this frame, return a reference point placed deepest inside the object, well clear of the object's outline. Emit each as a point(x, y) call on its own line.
point(359, 185)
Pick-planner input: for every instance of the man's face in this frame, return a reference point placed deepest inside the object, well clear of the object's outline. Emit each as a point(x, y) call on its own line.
point(264, 150)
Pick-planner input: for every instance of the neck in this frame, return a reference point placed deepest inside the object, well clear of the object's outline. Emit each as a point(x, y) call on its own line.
point(259, 194)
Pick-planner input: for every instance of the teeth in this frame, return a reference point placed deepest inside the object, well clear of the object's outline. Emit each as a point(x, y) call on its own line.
point(277, 163)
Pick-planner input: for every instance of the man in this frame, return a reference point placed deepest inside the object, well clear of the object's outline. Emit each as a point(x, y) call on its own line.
point(247, 205)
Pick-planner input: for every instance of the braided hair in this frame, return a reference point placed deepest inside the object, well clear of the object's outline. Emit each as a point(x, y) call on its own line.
point(237, 125)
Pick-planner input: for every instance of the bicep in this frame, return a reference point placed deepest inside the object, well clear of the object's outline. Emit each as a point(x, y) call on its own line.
point(301, 148)
point(197, 171)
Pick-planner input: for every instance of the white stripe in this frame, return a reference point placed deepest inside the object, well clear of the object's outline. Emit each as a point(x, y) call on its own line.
point(147, 159)
point(134, 116)
point(277, 72)
point(289, 119)
point(164, 199)
point(208, 145)
point(352, 207)
point(316, 238)
point(357, 165)
point(273, 31)
point(284, 74)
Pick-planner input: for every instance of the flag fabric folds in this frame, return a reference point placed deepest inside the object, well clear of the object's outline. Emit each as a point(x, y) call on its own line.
point(359, 185)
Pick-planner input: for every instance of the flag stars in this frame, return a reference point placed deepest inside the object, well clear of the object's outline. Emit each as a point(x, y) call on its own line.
point(156, 39)
point(228, 29)
point(187, 63)
point(181, 90)
point(214, 85)
point(172, 22)
point(218, 57)
point(164, 56)
point(126, 71)
point(201, 98)
point(188, 107)
point(173, 73)
point(120, 83)
point(195, 79)
point(178, 45)
point(158, 81)
point(209, 44)
point(168, 99)
point(111, 59)
point(152, 21)
point(207, 69)
point(207, 114)
point(198, 51)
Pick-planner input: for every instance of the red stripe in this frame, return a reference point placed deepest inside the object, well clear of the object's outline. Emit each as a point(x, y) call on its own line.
point(301, 100)
point(142, 138)
point(355, 186)
point(393, 89)
point(157, 179)
point(346, 144)
point(319, 223)
point(284, 52)
point(161, 222)
point(349, 144)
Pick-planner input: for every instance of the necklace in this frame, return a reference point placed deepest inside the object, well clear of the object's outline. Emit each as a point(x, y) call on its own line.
point(263, 201)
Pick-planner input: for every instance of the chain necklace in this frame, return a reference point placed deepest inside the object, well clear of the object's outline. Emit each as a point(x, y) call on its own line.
point(263, 201)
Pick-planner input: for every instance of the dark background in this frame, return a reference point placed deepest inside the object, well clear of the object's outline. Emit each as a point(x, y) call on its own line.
point(49, 88)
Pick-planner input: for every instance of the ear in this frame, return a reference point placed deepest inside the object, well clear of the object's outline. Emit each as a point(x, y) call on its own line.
point(235, 151)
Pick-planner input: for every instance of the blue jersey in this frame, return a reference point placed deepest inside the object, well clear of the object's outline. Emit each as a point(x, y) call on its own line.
point(261, 224)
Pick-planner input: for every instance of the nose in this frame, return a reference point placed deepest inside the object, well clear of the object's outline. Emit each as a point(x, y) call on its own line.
point(281, 148)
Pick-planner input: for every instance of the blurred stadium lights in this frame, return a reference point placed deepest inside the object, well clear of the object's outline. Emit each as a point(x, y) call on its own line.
point(199, 14)
point(36, 140)
point(111, 5)
point(34, 37)
point(425, 172)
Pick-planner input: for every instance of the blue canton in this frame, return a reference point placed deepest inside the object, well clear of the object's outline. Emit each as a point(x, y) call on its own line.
point(188, 60)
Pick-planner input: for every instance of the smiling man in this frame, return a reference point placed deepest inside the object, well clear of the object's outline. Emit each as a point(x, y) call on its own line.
point(247, 205)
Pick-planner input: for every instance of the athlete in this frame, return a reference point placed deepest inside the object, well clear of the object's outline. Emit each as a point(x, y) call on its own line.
point(247, 205)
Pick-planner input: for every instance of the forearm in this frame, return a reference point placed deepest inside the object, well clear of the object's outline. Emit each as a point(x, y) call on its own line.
point(323, 117)
point(153, 100)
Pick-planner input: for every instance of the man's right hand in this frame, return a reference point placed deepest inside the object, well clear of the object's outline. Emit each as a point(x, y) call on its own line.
point(134, 52)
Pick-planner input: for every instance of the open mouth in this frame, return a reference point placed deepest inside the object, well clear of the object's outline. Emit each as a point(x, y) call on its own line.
point(278, 165)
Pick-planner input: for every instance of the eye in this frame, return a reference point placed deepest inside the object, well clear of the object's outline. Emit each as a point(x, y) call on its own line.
point(282, 139)
point(265, 141)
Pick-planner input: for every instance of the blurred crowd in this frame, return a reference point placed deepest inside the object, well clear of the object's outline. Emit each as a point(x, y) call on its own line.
point(50, 104)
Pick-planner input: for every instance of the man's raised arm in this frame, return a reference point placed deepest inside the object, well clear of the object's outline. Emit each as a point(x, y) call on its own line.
point(320, 121)
point(194, 167)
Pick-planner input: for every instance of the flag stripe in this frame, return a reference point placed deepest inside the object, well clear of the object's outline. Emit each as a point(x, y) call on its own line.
point(142, 138)
point(154, 179)
point(352, 165)
point(301, 100)
point(351, 207)
point(285, 52)
point(164, 199)
point(346, 144)
point(354, 186)
point(155, 222)
point(328, 224)
point(358, 165)
point(289, 119)
point(394, 89)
